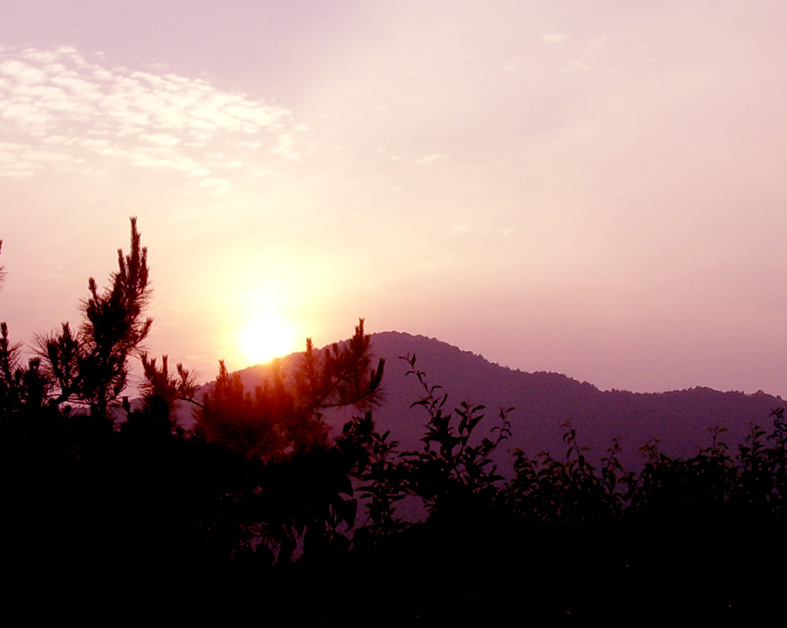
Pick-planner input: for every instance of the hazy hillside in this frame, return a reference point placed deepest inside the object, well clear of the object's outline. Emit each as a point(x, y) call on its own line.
point(543, 402)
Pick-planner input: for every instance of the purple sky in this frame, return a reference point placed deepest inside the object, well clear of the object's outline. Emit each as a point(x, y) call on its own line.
point(596, 188)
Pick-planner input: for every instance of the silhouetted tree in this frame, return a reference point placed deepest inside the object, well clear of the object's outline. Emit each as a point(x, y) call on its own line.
point(91, 367)
point(264, 498)
point(160, 391)
point(284, 417)
point(453, 473)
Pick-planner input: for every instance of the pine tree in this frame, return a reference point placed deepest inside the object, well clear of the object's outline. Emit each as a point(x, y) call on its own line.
point(284, 416)
point(91, 367)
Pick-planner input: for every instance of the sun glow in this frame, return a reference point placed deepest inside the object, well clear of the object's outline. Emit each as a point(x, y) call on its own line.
point(267, 337)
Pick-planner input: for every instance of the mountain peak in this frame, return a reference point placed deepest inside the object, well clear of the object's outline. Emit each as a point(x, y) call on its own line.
point(544, 402)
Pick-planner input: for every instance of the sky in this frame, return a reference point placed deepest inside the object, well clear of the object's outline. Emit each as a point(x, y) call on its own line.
point(591, 188)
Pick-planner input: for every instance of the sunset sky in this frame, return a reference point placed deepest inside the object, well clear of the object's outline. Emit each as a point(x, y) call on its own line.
point(593, 188)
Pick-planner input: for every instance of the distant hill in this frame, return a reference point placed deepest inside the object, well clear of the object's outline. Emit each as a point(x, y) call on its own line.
point(543, 402)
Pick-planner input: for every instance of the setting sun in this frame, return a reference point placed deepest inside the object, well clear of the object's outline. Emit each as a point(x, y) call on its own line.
point(267, 337)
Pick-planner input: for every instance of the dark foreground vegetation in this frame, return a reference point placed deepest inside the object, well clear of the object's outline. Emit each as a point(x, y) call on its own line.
point(262, 508)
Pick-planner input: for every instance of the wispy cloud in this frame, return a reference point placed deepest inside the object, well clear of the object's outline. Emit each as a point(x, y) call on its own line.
point(429, 159)
point(59, 110)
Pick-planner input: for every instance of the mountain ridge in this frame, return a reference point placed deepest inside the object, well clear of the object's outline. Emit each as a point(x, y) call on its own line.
point(542, 403)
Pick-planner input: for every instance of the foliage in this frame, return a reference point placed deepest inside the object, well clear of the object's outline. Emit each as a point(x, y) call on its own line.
point(160, 392)
point(284, 417)
point(382, 486)
point(91, 367)
point(266, 498)
point(453, 471)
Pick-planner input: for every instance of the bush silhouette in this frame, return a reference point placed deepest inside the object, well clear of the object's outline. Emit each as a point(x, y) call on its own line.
point(263, 498)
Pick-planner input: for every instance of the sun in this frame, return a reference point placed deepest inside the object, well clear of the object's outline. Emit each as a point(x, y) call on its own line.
point(267, 337)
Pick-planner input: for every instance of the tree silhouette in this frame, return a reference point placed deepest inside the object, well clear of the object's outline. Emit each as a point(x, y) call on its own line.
point(91, 367)
point(21, 387)
point(284, 417)
point(452, 474)
point(160, 392)
point(263, 497)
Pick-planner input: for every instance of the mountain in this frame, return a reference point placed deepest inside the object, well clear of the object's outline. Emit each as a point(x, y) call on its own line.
point(543, 402)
